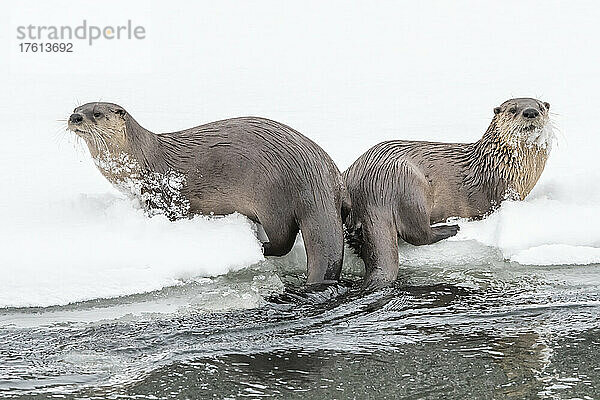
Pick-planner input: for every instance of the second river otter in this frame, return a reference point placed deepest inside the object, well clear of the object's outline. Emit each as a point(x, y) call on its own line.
point(400, 188)
point(257, 167)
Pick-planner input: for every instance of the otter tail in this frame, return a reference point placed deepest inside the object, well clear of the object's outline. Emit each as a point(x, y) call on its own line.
point(354, 237)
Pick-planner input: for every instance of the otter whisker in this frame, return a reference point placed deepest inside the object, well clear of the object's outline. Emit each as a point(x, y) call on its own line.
point(106, 149)
point(556, 132)
point(101, 136)
point(95, 139)
point(79, 146)
point(58, 136)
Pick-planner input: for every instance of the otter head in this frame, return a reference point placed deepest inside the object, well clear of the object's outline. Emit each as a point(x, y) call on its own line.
point(523, 121)
point(101, 125)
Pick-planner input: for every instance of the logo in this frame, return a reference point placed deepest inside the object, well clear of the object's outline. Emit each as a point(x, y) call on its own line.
point(89, 33)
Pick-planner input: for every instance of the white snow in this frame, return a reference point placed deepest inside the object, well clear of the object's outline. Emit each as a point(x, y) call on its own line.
point(98, 246)
point(558, 254)
point(348, 75)
point(558, 223)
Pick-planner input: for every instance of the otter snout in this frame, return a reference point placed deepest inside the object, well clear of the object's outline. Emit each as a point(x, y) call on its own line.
point(530, 113)
point(76, 118)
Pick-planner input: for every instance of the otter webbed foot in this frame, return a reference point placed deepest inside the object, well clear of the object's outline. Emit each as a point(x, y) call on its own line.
point(429, 235)
point(322, 293)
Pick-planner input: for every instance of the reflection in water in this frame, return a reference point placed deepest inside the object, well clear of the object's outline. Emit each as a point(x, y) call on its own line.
point(468, 330)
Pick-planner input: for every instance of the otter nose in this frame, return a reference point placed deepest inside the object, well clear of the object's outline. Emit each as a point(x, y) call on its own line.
point(530, 113)
point(75, 118)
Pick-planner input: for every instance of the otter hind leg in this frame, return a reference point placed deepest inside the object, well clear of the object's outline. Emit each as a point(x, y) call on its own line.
point(379, 249)
point(414, 215)
point(323, 237)
point(417, 231)
point(423, 234)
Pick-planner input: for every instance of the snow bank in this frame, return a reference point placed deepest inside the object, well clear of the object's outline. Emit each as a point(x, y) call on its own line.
point(99, 246)
point(558, 224)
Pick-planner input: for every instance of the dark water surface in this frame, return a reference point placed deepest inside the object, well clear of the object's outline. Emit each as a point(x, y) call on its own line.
point(475, 328)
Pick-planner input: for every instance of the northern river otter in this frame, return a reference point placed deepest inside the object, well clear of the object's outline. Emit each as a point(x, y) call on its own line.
point(399, 188)
point(257, 167)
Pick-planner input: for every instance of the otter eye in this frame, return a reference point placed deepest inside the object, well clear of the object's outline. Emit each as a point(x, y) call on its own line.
point(97, 115)
point(497, 110)
point(513, 110)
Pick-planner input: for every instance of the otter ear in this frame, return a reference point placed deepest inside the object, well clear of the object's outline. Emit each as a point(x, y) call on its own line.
point(118, 111)
point(547, 105)
point(497, 110)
